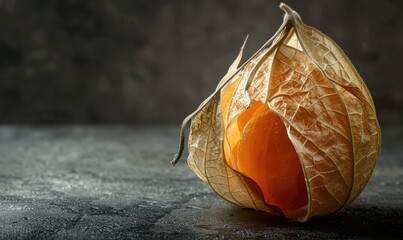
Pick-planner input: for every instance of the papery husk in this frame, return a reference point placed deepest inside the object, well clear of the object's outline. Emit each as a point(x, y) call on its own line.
point(329, 114)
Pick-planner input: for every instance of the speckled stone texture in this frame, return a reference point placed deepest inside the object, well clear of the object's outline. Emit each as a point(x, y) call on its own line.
point(117, 182)
point(125, 61)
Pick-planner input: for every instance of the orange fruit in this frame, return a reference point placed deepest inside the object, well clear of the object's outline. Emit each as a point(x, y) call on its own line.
point(257, 145)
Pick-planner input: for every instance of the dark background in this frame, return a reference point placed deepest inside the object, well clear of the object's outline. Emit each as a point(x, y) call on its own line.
point(111, 61)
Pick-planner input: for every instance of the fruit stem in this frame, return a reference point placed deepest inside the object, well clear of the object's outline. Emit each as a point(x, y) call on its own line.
point(286, 8)
point(289, 12)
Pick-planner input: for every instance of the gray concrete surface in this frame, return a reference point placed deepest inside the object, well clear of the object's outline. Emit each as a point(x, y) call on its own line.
point(117, 183)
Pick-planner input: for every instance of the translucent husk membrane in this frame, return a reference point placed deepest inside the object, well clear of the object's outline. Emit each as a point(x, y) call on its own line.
point(292, 131)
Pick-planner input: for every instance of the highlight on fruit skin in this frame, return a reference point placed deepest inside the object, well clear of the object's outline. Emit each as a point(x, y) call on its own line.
point(292, 131)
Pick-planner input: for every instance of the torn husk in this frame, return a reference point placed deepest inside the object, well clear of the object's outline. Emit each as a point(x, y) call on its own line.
point(304, 80)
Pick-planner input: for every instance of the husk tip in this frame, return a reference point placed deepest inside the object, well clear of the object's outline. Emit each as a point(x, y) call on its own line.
point(175, 159)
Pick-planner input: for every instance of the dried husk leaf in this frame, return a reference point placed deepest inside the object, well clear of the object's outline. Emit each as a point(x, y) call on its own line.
point(329, 114)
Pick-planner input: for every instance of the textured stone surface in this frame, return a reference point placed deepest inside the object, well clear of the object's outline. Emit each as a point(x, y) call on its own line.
point(95, 61)
point(116, 182)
